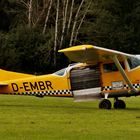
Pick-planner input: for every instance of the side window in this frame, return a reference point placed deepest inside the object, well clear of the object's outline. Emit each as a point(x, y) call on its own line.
point(60, 72)
point(133, 62)
point(111, 67)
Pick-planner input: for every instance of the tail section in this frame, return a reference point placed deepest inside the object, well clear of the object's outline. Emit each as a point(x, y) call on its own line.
point(9, 75)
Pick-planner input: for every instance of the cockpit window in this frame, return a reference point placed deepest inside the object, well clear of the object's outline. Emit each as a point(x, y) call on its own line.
point(134, 62)
point(60, 72)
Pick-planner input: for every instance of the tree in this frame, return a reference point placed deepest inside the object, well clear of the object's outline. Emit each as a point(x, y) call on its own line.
point(4, 17)
point(24, 49)
point(115, 25)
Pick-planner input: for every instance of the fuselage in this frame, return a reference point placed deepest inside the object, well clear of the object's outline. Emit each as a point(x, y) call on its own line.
point(76, 77)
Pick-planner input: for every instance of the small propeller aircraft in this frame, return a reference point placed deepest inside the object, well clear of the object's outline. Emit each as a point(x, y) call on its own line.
point(98, 74)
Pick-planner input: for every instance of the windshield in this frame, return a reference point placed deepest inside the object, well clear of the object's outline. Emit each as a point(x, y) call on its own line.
point(60, 72)
point(134, 61)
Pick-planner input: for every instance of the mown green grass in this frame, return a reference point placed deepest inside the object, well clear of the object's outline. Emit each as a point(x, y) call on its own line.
point(31, 118)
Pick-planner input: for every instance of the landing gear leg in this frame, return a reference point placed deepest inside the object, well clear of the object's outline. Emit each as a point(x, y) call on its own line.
point(119, 104)
point(105, 104)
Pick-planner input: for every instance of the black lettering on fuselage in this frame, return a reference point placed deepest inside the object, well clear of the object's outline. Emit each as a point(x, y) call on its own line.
point(48, 85)
point(41, 85)
point(14, 87)
point(34, 86)
point(31, 86)
point(26, 86)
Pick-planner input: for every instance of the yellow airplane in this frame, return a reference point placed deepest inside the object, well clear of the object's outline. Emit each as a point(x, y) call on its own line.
point(99, 74)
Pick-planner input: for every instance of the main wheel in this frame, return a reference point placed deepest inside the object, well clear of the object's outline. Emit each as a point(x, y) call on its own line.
point(119, 104)
point(105, 104)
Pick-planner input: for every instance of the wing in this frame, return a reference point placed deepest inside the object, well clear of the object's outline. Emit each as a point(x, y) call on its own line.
point(91, 54)
point(94, 54)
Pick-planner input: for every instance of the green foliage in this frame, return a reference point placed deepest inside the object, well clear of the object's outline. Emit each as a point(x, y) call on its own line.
point(25, 49)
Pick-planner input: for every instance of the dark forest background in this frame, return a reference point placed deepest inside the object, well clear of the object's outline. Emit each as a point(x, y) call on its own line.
point(32, 31)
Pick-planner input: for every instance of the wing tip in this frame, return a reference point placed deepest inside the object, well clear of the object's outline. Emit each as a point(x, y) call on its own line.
point(76, 48)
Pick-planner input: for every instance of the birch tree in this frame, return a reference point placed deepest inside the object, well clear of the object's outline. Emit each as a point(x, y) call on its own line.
point(70, 16)
point(30, 13)
point(47, 16)
point(56, 31)
point(65, 9)
point(81, 22)
point(28, 6)
point(39, 11)
point(75, 22)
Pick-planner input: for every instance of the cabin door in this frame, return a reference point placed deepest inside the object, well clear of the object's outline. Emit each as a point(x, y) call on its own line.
point(86, 83)
point(85, 78)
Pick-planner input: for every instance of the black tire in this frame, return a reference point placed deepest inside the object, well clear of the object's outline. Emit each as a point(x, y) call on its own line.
point(105, 104)
point(119, 104)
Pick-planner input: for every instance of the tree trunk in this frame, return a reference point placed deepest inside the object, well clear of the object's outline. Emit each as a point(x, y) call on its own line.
point(56, 31)
point(30, 14)
point(75, 21)
point(65, 8)
point(70, 18)
point(47, 17)
point(81, 22)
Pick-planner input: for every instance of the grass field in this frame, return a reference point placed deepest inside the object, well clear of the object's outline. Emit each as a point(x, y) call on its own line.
point(31, 118)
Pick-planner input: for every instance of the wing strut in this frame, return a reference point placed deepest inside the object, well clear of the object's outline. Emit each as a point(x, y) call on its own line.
point(124, 75)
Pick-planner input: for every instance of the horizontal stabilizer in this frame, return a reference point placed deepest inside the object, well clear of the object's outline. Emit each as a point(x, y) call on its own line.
point(10, 75)
point(87, 94)
point(3, 84)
